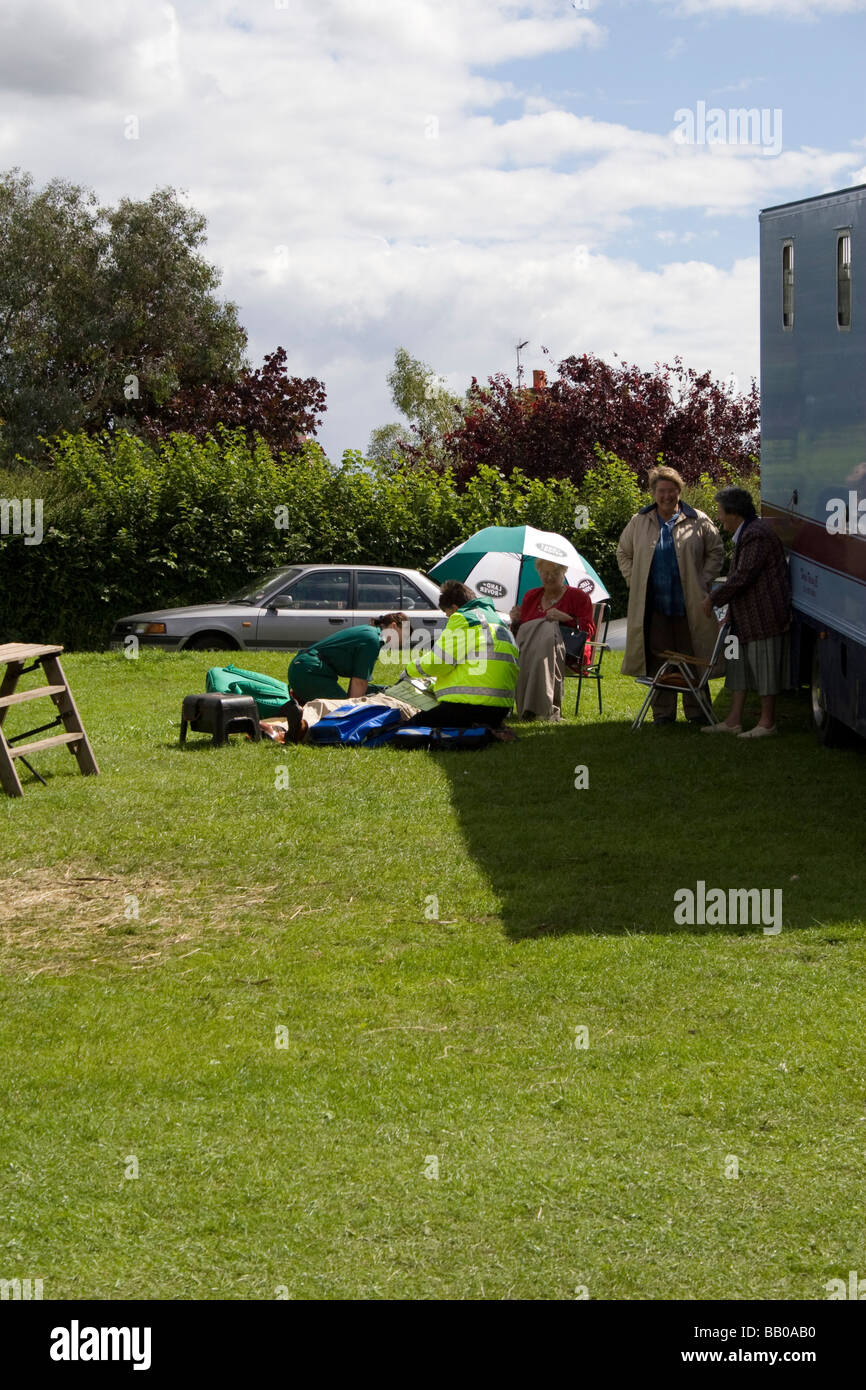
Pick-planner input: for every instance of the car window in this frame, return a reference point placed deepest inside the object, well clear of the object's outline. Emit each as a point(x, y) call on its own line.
point(378, 591)
point(253, 593)
point(321, 589)
point(413, 597)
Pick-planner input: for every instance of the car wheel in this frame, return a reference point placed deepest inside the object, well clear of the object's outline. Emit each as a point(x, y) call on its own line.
point(211, 642)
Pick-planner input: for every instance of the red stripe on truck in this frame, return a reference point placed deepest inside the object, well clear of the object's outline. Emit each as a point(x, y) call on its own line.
point(843, 554)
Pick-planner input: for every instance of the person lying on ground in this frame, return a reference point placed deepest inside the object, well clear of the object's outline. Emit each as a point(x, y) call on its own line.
point(280, 730)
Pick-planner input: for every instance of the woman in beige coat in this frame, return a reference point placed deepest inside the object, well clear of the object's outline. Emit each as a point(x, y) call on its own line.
point(669, 555)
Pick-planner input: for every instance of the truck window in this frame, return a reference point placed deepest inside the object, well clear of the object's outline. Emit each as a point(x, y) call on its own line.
point(787, 284)
point(843, 279)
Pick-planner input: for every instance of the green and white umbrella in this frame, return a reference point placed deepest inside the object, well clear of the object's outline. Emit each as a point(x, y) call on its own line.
point(498, 564)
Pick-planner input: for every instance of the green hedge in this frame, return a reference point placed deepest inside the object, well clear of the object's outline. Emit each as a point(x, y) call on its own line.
point(129, 527)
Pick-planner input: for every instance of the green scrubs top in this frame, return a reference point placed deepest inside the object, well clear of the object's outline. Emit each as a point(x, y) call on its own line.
point(353, 651)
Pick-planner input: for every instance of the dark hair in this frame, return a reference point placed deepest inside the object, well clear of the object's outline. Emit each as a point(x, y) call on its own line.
point(454, 594)
point(386, 619)
point(738, 501)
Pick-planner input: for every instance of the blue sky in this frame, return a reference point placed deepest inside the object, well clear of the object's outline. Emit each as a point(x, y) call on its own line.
point(452, 176)
point(656, 59)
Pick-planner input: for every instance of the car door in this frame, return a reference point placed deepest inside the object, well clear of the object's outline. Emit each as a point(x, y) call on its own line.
point(390, 591)
point(419, 609)
point(376, 591)
point(316, 605)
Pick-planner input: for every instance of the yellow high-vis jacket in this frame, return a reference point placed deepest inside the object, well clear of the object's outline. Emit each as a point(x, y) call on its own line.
point(473, 660)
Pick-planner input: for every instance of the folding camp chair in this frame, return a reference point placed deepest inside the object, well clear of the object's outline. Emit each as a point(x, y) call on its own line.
point(676, 673)
point(592, 672)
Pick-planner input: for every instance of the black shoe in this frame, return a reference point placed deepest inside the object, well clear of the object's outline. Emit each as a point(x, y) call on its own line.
point(665, 719)
point(700, 719)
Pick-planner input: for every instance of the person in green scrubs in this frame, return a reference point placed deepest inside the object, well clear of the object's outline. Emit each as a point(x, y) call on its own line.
point(314, 673)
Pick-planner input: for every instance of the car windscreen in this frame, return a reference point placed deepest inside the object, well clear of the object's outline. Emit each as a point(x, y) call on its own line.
point(255, 592)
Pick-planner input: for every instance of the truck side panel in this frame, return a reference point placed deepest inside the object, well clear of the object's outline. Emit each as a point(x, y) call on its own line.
point(813, 432)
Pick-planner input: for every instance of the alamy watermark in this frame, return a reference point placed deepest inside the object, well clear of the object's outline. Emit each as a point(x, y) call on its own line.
point(77, 1343)
point(465, 647)
point(20, 1289)
point(856, 1288)
point(738, 126)
point(715, 907)
point(846, 518)
point(22, 516)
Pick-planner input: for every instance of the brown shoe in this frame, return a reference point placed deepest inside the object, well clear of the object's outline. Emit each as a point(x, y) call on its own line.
point(294, 717)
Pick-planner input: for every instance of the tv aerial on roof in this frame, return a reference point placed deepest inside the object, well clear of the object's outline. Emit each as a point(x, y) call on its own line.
point(518, 347)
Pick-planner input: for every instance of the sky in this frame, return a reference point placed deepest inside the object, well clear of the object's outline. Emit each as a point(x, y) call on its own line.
point(454, 176)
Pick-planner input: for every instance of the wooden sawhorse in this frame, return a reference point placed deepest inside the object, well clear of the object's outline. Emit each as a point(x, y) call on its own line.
point(15, 656)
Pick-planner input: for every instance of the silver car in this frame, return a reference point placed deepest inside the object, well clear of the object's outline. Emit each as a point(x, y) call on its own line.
point(290, 607)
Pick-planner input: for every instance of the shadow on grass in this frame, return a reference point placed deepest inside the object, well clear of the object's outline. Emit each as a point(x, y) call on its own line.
point(662, 810)
point(196, 743)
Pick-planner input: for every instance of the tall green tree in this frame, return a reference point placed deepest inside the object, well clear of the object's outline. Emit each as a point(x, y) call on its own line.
point(105, 312)
point(430, 411)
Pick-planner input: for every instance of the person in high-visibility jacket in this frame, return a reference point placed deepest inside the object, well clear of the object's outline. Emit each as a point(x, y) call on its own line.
point(473, 662)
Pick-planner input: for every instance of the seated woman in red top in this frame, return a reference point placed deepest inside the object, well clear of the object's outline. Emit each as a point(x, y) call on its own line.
point(535, 624)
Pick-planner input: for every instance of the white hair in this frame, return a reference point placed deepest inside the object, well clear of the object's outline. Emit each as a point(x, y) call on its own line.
point(563, 569)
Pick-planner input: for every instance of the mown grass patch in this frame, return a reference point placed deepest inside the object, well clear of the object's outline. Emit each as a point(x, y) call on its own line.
point(327, 987)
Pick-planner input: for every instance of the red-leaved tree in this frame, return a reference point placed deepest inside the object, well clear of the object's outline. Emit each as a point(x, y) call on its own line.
point(698, 425)
point(282, 409)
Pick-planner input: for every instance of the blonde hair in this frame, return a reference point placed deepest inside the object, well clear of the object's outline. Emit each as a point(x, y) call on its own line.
point(663, 474)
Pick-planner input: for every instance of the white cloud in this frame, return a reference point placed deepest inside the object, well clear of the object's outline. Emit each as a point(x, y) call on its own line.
point(359, 135)
point(107, 47)
point(462, 310)
point(670, 237)
point(450, 31)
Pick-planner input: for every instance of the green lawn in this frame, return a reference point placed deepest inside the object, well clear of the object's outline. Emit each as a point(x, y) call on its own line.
point(423, 935)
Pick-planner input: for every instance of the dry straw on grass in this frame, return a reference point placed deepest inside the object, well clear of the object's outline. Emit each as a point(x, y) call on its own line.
point(71, 917)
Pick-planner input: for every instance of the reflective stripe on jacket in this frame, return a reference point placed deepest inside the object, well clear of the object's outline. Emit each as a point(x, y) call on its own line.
point(474, 658)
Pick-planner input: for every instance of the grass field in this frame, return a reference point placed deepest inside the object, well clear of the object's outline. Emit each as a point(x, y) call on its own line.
point(335, 1026)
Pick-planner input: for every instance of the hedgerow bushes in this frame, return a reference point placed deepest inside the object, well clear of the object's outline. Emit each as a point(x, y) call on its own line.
point(129, 527)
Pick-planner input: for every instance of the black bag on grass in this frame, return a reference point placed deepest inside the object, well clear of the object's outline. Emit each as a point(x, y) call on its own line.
point(425, 736)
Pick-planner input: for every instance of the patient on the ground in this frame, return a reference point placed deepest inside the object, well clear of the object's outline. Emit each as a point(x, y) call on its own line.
point(407, 696)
